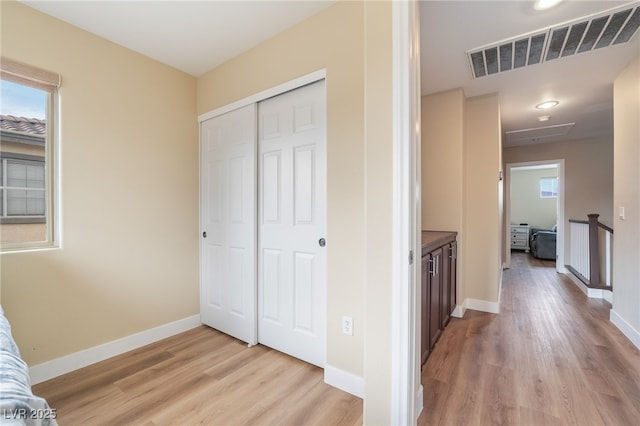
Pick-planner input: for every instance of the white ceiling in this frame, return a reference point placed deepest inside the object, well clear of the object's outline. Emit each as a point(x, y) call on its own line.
point(192, 36)
point(583, 83)
point(196, 36)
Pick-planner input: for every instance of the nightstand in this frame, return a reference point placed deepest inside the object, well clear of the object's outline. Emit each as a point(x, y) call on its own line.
point(520, 237)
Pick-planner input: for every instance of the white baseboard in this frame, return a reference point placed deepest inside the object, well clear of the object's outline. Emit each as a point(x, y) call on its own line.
point(577, 282)
point(458, 311)
point(419, 405)
point(482, 305)
point(593, 293)
point(599, 293)
point(626, 328)
point(56, 367)
point(344, 380)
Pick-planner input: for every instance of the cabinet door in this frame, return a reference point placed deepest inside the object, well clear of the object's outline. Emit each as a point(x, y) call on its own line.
point(435, 302)
point(424, 324)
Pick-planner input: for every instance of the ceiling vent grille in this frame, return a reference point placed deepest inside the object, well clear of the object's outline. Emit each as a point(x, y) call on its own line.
point(582, 35)
point(537, 135)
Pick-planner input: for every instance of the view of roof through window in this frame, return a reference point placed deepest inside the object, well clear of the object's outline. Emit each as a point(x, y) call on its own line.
point(23, 171)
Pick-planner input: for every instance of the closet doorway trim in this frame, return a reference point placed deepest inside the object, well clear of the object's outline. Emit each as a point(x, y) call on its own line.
point(266, 94)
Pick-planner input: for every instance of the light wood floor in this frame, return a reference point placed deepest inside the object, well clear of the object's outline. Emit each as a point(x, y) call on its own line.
point(551, 357)
point(199, 377)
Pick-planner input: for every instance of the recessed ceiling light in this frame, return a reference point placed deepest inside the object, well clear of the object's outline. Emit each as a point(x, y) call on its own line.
point(547, 104)
point(544, 118)
point(545, 4)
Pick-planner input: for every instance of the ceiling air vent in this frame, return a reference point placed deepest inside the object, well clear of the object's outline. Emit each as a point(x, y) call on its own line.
point(537, 135)
point(582, 35)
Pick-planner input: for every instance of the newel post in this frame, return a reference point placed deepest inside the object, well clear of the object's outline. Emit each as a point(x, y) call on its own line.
point(594, 262)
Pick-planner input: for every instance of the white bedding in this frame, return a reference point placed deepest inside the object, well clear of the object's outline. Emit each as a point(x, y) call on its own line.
point(18, 405)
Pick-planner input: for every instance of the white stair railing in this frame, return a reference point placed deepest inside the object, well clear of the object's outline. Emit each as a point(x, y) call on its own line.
point(579, 232)
point(591, 251)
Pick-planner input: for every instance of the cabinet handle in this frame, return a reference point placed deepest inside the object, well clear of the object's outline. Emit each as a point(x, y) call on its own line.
point(434, 265)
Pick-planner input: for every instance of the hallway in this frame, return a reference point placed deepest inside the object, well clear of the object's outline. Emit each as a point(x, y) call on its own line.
point(551, 357)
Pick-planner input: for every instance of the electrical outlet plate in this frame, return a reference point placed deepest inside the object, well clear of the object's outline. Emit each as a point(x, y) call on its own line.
point(347, 326)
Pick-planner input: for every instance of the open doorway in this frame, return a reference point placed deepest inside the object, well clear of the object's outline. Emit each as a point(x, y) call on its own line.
point(534, 207)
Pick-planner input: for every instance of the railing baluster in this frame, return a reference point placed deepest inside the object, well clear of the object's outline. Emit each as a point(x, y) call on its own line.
point(594, 263)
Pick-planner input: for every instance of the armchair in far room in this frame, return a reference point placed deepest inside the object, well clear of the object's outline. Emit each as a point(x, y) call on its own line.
point(542, 243)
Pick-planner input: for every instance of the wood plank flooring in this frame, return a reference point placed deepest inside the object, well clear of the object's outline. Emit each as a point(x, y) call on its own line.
point(199, 377)
point(551, 357)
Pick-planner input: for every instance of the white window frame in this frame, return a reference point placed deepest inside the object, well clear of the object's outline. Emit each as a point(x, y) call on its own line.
point(49, 82)
point(554, 186)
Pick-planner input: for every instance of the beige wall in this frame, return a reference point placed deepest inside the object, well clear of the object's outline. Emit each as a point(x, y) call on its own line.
point(482, 248)
point(332, 39)
point(352, 41)
point(20, 148)
point(443, 169)
point(588, 175)
point(129, 190)
point(442, 155)
point(461, 161)
point(626, 193)
point(21, 232)
point(378, 214)
point(526, 204)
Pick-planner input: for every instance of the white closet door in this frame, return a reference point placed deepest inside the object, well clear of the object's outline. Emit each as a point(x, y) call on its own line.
point(292, 215)
point(228, 223)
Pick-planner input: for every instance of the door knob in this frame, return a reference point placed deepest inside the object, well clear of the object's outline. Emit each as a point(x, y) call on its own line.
point(204, 234)
point(322, 242)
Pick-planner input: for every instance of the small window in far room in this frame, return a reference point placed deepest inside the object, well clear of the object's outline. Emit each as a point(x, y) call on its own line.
point(549, 187)
point(27, 191)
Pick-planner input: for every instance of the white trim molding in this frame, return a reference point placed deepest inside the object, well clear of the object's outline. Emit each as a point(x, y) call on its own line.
point(344, 380)
point(405, 314)
point(59, 366)
point(481, 305)
point(559, 163)
point(266, 94)
point(592, 293)
point(419, 404)
point(458, 311)
point(631, 333)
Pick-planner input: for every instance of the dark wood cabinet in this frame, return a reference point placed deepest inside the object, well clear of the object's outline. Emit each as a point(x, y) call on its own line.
point(453, 264)
point(425, 301)
point(439, 258)
point(434, 287)
point(449, 264)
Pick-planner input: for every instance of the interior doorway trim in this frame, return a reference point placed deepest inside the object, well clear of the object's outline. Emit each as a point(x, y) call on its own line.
point(266, 94)
point(406, 390)
point(560, 210)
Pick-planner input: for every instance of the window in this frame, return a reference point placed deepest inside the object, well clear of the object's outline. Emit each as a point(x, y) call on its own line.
point(23, 190)
point(27, 195)
point(549, 187)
